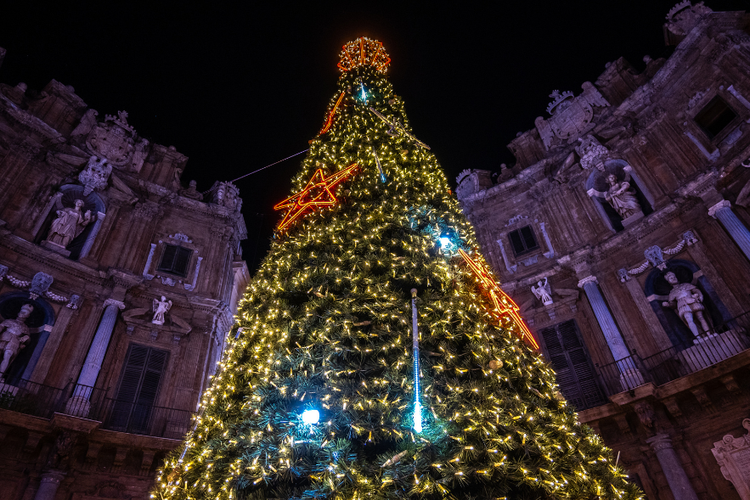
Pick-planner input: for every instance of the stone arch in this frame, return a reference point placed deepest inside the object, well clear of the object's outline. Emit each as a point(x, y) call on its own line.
point(40, 324)
point(596, 186)
point(656, 288)
point(65, 198)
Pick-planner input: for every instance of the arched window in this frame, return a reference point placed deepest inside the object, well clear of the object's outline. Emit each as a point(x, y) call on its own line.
point(40, 324)
point(81, 244)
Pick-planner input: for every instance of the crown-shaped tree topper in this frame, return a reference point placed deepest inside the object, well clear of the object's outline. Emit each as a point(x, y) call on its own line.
point(364, 52)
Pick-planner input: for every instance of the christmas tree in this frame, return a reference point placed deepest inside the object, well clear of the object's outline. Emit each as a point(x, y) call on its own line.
point(374, 354)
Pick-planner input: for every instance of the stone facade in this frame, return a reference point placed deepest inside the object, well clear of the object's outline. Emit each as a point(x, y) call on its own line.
point(133, 280)
point(622, 233)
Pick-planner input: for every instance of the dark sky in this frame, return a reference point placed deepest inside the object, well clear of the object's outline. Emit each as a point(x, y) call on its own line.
point(236, 86)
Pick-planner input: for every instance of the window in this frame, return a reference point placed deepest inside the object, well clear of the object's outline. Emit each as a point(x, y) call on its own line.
point(175, 260)
point(523, 240)
point(715, 117)
point(569, 358)
point(139, 386)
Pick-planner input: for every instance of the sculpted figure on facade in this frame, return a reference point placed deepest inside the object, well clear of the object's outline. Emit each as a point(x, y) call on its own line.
point(543, 292)
point(621, 197)
point(160, 308)
point(13, 337)
point(69, 223)
point(687, 301)
point(192, 192)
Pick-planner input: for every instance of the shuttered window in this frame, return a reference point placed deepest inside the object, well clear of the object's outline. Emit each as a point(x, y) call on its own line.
point(575, 373)
point(522, 240)
point(139, 387)
point(175, 260)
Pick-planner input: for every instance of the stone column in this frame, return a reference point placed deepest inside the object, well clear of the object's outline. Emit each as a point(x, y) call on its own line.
point(53, 343)
point(672, 468)
point(732, 224)
point(630, 376)
point(48, 486)
point(80, 403)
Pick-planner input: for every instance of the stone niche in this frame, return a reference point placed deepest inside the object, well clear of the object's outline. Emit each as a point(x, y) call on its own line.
point(733, 456)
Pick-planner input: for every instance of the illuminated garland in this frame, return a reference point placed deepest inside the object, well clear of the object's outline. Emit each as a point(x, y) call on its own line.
point(505, 308)
point(319, 192)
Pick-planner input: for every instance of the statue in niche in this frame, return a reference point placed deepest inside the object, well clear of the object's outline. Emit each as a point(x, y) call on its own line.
point(69, 223)
point(621, 197)
point(160, 308)
point(543, 292)
point(687, 301)
point(13, 337)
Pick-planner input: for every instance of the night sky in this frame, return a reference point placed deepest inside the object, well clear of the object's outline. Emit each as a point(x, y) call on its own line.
point(238, 86)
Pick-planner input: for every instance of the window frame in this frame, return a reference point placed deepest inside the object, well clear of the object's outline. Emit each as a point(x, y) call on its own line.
point(522, 240)
point(171, 270)
point(726, 129)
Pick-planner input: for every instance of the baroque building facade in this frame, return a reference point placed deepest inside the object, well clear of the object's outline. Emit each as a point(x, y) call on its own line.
point(622, 233)
point(117, 287)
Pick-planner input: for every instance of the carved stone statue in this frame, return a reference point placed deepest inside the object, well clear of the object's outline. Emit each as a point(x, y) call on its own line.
point(192, 191)
point(69, 224)
point(621, 197)
point(687, 301)
point(13, 337)
point(160, 308)
point(543, 292)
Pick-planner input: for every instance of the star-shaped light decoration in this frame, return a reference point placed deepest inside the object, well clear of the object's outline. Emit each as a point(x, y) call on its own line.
point(319, 192)
point(505, 309)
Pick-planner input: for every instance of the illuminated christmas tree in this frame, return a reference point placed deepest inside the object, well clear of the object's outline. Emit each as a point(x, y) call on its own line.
point(374, 354)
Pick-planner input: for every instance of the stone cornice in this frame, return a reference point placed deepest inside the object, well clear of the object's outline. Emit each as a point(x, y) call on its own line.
point(51, 259)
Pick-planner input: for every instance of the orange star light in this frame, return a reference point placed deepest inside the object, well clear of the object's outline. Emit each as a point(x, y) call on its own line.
point(505, 309)
point(319, 192)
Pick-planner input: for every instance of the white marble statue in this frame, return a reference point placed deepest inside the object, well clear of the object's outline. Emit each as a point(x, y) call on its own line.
point(543, 292)
point(160, 308)
point(687, 301)
point(13, 337)
point(621, 197)
point(69, 224)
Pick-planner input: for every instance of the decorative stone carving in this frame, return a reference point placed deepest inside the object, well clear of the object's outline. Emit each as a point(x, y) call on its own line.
point(733, 457)
point(112, 139)
point(192, 191)
point(227, 195)
point(687, 301)
point(543, 292)
point(70, 222)
point(684, 16)
point(160, 308)
point(645, 413)
point(571, 116)
point(147, 210)
point(40, 283)
point(74, 302)
point(181, 237)
point(655, 257)
point(592, 153)
point(95, 175)
point(3, 272)
point(622, 275)
point(13, 337)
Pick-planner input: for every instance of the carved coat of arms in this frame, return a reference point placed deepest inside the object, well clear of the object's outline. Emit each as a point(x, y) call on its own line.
point(571, 116)
point(112, 139)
